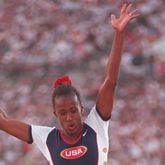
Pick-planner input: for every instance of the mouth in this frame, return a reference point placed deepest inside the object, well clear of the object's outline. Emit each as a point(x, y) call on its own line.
point(71, 127)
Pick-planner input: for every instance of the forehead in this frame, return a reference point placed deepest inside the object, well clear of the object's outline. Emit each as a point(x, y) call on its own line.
point(66, 101)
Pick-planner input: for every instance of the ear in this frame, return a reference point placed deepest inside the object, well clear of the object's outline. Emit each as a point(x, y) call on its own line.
point(55, 113)
point(82, 109)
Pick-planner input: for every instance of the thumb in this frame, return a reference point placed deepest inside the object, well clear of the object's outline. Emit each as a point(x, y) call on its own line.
point(113, 17)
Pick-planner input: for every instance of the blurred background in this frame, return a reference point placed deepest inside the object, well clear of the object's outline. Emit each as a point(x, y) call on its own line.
point(41, 40)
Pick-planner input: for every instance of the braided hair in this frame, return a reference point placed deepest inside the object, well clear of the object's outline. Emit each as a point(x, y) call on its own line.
point(62, 87)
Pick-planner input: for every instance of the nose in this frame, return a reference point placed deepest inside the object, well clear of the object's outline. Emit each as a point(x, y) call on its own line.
point(68, 117)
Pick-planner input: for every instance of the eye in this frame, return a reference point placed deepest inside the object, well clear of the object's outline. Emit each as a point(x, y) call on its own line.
point(62, 113)
point(74, 110)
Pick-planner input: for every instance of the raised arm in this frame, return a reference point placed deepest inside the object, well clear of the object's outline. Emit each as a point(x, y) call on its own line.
point(106, 93)
point(14, 127)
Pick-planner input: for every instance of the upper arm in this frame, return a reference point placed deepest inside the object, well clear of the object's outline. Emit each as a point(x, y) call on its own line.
point(17, 128)
point(95, 121)
point(105, 99)
point(40, 136)
point(14, 127)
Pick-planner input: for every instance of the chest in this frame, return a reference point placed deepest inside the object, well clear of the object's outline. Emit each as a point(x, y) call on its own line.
point(83, 152)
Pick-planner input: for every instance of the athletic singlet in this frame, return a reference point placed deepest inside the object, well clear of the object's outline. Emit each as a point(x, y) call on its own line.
point(91, 148)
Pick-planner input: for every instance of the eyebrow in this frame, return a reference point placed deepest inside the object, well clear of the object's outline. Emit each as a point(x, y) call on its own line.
point(63, 110)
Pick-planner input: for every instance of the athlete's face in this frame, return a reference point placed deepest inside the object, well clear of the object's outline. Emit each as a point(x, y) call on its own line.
point(69, 111)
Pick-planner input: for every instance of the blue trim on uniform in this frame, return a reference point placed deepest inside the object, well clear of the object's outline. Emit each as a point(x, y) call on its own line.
point(103, 118)
point(30, 141)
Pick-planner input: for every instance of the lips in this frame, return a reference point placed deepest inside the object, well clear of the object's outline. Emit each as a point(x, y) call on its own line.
point(71, 127)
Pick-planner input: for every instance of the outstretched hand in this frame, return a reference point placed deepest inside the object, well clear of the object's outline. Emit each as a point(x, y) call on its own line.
point(126, 15)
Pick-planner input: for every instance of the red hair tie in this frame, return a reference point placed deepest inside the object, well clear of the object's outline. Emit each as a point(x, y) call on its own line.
point(62, 80)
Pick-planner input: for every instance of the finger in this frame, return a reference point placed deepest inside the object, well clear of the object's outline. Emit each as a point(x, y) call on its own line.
point(128, 8)
point(135, 16)
point(123, 9)
point(113, 17)
point(134, 12)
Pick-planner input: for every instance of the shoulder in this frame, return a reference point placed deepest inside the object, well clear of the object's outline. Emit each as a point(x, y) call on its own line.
point(95, 121)
point(37, 132)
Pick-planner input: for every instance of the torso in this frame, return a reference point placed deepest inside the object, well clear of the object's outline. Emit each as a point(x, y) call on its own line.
point(83, 152)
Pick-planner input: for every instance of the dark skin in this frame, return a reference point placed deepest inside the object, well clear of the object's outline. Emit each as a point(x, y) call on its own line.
point(69, 111)
point(105, 95)
point(107, 91)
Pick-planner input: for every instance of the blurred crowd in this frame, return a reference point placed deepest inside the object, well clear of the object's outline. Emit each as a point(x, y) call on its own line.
point(41, 40)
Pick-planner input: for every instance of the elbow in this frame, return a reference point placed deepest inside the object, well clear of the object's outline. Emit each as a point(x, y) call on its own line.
point(110, 83)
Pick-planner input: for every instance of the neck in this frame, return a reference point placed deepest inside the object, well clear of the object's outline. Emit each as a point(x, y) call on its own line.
point(72, 137)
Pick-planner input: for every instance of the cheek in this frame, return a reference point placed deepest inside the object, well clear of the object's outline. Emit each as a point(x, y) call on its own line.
point(61, 121)
point(58, 118)
point(78, 116)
